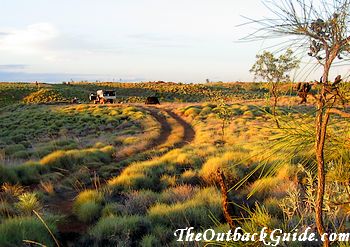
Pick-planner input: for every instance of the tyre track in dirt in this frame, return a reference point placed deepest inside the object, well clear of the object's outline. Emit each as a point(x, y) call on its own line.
point(72, 228)
point(189, 132)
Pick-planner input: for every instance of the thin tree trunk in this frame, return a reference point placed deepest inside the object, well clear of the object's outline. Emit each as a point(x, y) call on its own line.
point(321, 128)
point(223, 131)
point(274, 106)
point(225, 203)
point(322, 119)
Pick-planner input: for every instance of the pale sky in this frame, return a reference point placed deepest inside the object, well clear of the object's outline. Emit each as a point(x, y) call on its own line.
point(132, 40)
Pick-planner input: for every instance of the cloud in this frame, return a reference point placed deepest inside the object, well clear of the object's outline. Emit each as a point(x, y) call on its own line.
point(10, 67)
point(28, 40)
point(8, 76)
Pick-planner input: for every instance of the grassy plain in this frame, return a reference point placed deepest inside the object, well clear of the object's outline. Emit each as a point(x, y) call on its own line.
point(128, 174)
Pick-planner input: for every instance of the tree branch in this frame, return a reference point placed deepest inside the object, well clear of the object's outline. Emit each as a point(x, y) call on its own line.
point(339, 112)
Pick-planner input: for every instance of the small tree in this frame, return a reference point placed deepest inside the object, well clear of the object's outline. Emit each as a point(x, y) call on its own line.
point(225, 114)
point(274, 70)
point(323, 30)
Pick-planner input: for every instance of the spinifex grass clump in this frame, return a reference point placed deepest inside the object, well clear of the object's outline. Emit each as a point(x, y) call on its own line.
point(71, 158)
point(117, 230)
point(13, 231)
point(194, 211)
point(87, 205)
point(27, 202)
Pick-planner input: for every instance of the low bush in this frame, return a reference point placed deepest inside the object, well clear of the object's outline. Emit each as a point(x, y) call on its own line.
point(195, 211)
point(11, 149)
point(177, 194)
point(225, 162)
point(114, 230)
point(87, 205)
point(7, 209)
point(71, 158)
point(28, 173)
point(268, 186)
point(88, 196)
point(272, 206)
point(21, 155)
point(138, 202)
point(150, 241)
point(88, 211)
point(7, 175)
point(113, 209)
point(190, 177)
point(258, 218)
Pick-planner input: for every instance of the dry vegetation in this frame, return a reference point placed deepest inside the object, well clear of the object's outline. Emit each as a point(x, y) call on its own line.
point(129, 175)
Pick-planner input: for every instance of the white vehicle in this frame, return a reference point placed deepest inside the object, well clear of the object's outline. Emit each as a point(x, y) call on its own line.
point(103, 96)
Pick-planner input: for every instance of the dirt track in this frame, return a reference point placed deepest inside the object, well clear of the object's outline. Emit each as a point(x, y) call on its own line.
point(62, 202)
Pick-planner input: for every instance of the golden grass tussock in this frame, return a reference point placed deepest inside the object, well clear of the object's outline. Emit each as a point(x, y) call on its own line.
point(194, 211)
point(272, 186)
point(67, 159)
point(178, 193)
point(186, 156)
point(137, 174)
point(88, 195)
point(227, 161)
point(87, 205)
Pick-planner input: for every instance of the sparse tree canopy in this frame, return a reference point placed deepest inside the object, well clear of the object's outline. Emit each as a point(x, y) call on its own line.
point(274, 69)
point(321, 28)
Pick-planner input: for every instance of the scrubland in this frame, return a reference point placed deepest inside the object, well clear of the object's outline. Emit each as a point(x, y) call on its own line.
point(130, 175)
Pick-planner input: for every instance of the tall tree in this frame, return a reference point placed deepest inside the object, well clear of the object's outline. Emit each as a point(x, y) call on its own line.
point(275, 70)
point(323, 29)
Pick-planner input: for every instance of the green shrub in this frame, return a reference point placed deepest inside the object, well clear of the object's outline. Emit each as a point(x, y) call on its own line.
point(88, 211)
point(113, 209)
point(195, 211)
point(248, 114)
point(163, 233)
point(87, 205)
point(115, 229)
point(71, 158)
point(11, 149)
point(7, 175)
point(272, 206)
point(259, 217)
point(150, 241)
point(206, 110)
point(21, 155)
point(167, 181)
point(14, 230)
point(6, 209)
point(28, 173)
